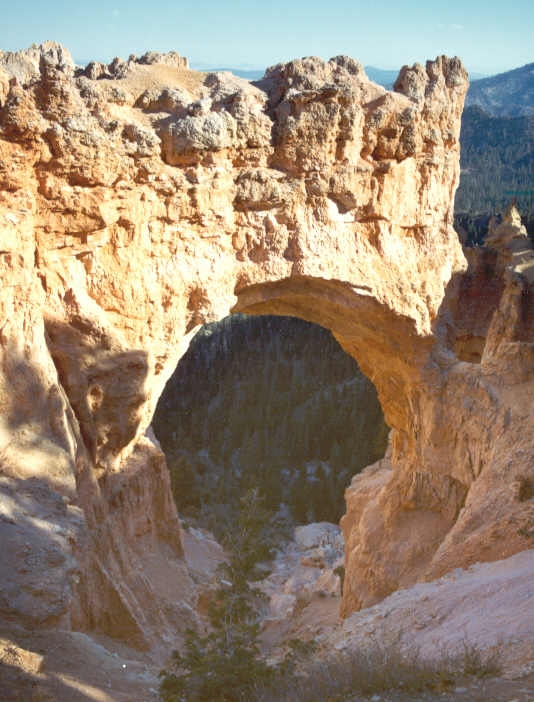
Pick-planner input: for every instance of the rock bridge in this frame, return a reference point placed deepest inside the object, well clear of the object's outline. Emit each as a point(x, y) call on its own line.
point(140, 200)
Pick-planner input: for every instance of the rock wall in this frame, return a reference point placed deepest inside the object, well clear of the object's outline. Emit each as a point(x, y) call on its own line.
point(139, 203)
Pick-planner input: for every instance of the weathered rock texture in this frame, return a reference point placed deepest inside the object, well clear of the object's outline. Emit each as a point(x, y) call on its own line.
point(308, 567)
point(134, 208)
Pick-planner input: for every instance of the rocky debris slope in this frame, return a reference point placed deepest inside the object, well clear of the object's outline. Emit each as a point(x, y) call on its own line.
point(134, 209)
point(488, 605)
point(68, 666)
point(308, 566)
point(485, 608)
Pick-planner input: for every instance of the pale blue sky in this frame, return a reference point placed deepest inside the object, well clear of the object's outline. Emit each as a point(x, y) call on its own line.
point(488, 37)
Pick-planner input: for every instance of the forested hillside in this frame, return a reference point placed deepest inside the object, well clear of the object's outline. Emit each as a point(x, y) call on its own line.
point(497, 160)
point(497, 152)
point(272, 402)
point(508, 94)
point(497, 165)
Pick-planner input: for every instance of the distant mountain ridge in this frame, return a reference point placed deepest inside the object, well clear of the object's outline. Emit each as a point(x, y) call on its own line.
point(497, 149)
point(509, 94)
point(381, 76)
point(249, 74)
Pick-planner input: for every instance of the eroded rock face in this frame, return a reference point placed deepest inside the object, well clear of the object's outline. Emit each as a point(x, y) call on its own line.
point(137, 207)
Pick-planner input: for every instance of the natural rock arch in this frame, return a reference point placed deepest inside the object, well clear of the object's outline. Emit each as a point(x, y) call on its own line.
point(140, 205)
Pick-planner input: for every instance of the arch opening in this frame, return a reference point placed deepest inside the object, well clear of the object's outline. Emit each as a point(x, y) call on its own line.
point(267, 402)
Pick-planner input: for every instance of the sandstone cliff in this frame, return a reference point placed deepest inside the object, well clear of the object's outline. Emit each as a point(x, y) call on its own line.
point(141, 202)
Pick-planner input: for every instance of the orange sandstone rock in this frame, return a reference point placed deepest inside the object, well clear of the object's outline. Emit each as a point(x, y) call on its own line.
point(141, 200)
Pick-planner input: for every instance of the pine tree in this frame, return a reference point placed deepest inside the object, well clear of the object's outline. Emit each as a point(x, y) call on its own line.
point(225, 665)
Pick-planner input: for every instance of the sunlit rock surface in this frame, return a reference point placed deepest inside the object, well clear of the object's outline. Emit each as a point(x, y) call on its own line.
point(140, 201)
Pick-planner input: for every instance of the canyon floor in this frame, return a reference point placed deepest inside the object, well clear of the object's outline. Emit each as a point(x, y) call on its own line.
point(489, 605)
point(76, 669)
